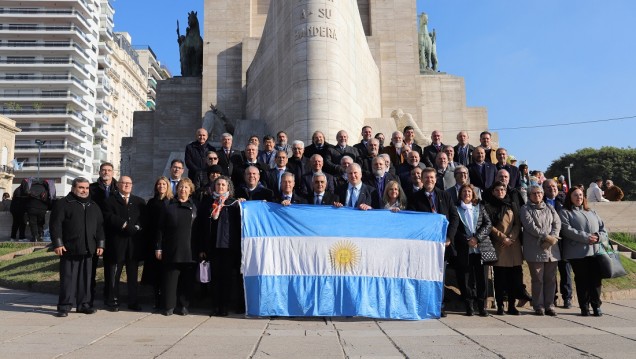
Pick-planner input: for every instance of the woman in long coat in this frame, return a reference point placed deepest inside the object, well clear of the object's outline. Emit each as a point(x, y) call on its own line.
point(174, 249)
point(506, 237)
point(541, 227)
point(219, 240)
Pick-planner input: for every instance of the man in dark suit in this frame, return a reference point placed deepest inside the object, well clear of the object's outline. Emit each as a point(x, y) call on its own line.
point(433, 200)
point(482, 174)
point(319, 195)
point(372, 151)
point(395, 150)
point(367, 134)
point(273, 176)
point(315, 165)
point(253, 190)
point(123, 217)
point(463, 149)
point(335, 153)
point(238, 174)
point(318, 145)
point(502, 164)
point(356, 194)
point(379, 179)
point(196, 154)
point(429, 153)
point(268, 154)
point(414, 184)
point(298, 164)
point(409, 140)
point(341, 180)
point(461, 178)
point(404, 170)
point(287, 195)
point(227, 155)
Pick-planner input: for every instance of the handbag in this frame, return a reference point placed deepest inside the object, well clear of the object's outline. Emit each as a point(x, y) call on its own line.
point(204, 273)
point(488, 252)
point(609, 262)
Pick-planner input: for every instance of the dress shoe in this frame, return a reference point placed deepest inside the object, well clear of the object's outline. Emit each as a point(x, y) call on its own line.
point(87, 310)
point(585, 313)
point(483, 312)
point(442, 314)
point(221, 312)
point(135, 307)
point(522, 302)
point(112, 308)
point(550, 312)
point(500, 310)
point(567, 304)
point(513, 311)
point(182, 311)
point(470, 312)
point(61, 314)
point(539, 312)
point(167, 312)
point(597, 312)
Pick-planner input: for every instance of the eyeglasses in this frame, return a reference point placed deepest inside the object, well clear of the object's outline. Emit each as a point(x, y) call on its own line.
point(126, 183)
point(213, 158)
point(177, 168)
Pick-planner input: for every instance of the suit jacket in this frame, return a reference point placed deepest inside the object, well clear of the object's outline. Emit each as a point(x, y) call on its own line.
point(124, 243)
point(227, 162)
point(260, 193)
point(312, 150)
point(446, 179)
point(404, 173)
point(333, 156)
point(429, 154)
point(469, 155)
point(362, 149)
point(298, 167)
point(196, 161)
point(295, 199)
point(328, 198)
point(396, 159)
point(443, 205)
point(453, 192)
point(238, 174)
point(372, 181)
point(271, 180)
point(268, 160)
point(97, 192)
point(307, 184)
point(368, 195)
point(417, 148)
point(490, 172)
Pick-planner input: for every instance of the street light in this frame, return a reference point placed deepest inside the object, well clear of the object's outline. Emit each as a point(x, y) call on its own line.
point(40, 143)
point(569, 178)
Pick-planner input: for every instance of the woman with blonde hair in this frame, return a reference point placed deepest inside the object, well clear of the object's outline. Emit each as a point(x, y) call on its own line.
point(394, 197)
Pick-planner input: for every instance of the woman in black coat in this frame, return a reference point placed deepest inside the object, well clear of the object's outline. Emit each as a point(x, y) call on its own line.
point(152, 266)
point(174, 249)
point(219, 240)
point(475, 226)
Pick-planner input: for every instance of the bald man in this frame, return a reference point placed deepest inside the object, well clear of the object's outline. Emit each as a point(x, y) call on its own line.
point(196, 157)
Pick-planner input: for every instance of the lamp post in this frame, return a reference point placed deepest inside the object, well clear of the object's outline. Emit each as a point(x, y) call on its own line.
point(569, 177)
point(40, 143)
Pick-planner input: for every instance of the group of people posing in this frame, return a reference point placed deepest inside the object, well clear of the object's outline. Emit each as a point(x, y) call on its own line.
point(495, 218)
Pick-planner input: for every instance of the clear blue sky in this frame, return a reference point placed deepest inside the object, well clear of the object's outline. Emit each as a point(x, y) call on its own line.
point(531, 63)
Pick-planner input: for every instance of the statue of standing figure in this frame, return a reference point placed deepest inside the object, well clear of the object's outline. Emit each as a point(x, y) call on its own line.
point(191, 47)
point(428, 53)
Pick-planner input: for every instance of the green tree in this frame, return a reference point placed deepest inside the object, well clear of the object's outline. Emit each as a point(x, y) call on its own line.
point(617, 164)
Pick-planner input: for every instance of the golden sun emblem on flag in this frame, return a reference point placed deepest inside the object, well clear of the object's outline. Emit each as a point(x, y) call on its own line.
point(344, 256)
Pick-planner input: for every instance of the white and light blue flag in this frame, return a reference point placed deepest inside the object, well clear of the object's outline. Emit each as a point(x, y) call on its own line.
point(304, 260)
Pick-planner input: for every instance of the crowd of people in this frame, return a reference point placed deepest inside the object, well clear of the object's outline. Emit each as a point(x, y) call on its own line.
point(499, 215)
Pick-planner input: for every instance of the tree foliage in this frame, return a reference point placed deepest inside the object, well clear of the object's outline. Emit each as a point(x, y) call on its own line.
point(617, 164)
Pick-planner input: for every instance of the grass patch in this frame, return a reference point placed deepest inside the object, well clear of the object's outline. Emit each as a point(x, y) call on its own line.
point(626, 239)
point(10, 247)
point(625, 282)
point(37, 271)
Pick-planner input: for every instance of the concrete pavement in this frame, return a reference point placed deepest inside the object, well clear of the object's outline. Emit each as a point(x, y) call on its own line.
point(29, 329)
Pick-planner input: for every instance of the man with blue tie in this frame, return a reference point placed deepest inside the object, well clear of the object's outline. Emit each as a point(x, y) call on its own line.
point(320, 195)
point(355, 193)
point(273, 175)
point(482, 174)
point(287, 195)
point(176, 170)
point(463, 150)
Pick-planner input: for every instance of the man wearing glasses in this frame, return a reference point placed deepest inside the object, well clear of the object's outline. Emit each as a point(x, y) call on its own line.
point(176, 171)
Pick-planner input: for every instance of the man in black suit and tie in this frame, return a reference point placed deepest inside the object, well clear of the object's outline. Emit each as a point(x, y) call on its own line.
point(409, 140)
point(463, 150)
point(502, 164)
point(341, 180)
point(482, 174)
point(356, 194)
point(379, 178)
point(315, 165)
point(253, 190)
point(335, 153)
point(433, 200)
point(367, 134)
point(227, 155)
point(319, 195)
point(373, 150)
point(273, 179)
point(287, 195)
point(123, 216)
point(430, 152)
point(238, 175)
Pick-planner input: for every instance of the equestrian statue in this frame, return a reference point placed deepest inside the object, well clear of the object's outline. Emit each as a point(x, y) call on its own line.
point(191, 48)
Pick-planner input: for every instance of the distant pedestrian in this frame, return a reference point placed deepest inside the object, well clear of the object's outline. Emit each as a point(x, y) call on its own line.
point(18, 213)
point(6, 202)
point(76, 234)
point(612, 192)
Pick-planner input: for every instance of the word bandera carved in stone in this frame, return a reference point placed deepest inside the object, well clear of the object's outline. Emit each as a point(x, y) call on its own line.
point(313, 31)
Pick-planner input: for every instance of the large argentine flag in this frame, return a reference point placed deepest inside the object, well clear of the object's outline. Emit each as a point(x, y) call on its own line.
point(305, 260)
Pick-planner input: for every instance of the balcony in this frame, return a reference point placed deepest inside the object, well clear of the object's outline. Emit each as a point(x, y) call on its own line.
point(56, 166)
point(64, 30)
point(49, 97)
point(150, 103)
point(101, 118)
point(45, 80)
point(51, 149)
point(21, 63)
point(100, 133)
point(46, 47)
point(48, 114)
point(54, 131)
point(104, 61)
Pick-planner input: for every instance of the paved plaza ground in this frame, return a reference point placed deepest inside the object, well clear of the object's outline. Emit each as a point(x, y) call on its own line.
point(29, 329)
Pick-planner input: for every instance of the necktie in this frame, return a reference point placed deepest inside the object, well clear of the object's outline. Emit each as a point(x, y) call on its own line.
point(126, 200)
point(318, 199)
point(280, 174)
point(380, 186)
point(107, 192)
point(287, 198)
point(353, 198)
point(431, 202)
point(462, 156)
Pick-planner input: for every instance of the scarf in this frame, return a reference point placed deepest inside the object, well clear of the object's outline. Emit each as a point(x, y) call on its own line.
point(497, 208)
point(468, 210)
point(218, 203)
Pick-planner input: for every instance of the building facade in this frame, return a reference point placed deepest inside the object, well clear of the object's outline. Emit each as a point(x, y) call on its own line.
point(156, 72)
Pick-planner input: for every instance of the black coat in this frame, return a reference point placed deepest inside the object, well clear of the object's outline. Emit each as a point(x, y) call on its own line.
point(333, 156)
point(312, 150)
point(328, 198)
point(307, 186)
point(210, 235)
point(98, 192)
point(196, 160)
point(368, 195)
point(429, 153)
point(295, 199)
point(174, 232)
point(469, 155)
point(77, 226)
point(490, 173)
point(444, 205)
point(271, 179)
point(124, 243)
point(482, 233)
point(227, 162)
point(152, 267)
point(238, 174)
point(260, 193)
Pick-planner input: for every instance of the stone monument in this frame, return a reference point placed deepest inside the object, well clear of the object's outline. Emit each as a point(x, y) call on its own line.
point(302, 66)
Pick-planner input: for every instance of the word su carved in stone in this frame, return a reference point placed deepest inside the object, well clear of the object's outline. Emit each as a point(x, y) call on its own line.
point(314, 31)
